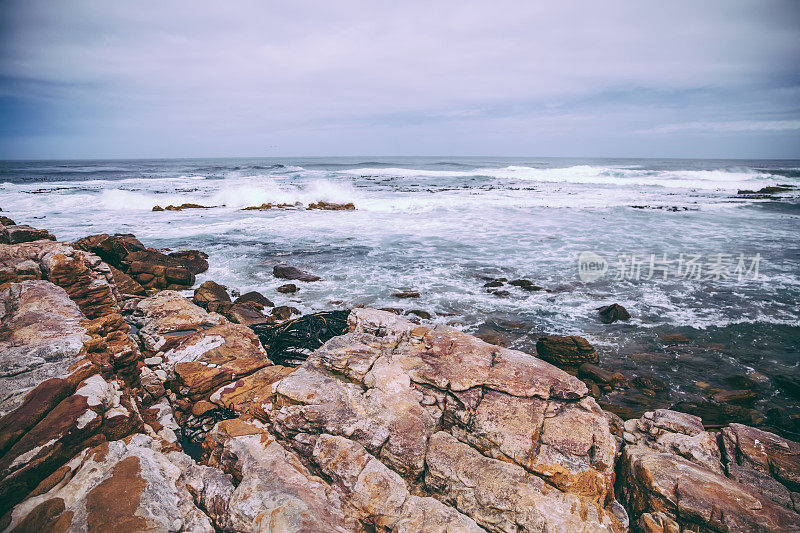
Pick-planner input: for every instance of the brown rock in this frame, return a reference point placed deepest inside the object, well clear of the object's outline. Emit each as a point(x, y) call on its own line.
point(254, 297)
point(113, 249)
point(210, 292)
point(5, 221)
point(194, 261)
point(763, 460)
point(406, 294)
point(694, 497)
point(290, 272)
point(678, 433)
point(331, 206)
point(674, 338)
point(126, 284)
point(288, 288)
point(566, 351)
point(20, 233)
point(124, 486)
point(599, 375)
point(284, 312)
point(611, 313)
point(247, 313)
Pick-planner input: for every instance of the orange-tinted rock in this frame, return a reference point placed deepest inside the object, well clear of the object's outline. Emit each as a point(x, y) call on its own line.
point(570, 351)
point(20, 233)
point(124, 486)
point(694, 498)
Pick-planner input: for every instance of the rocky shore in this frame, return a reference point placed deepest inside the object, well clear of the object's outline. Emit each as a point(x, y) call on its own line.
point(126, 406)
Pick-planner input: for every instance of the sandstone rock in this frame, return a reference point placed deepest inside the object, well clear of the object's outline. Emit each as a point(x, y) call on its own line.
point(327, 206)
point(284, 312)
point(290, 272)
point(763, 460)
point(126, 485)
point(42, 338)
point(693, 497)
point(389, 385)
point(96, 411)
point(194, 261)
point(126, 284)
point(274, 490)
point(20, 233)
point(251, 394)
point(210, 294)
point(503, 497)
point(5, 221)
point(679, 433)
point(287, 288)
point(88, 281)
point(611, 313)
point(158, 271)
point(566, 351)
point(255, 297)
point(15, 269)
point(167, 318)
point(113, 249)
point(247, 313)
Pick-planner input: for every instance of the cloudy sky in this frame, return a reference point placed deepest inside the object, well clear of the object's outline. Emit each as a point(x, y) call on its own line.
point(711, 78)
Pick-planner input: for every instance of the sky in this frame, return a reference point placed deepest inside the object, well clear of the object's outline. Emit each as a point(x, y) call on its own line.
point(105, 79)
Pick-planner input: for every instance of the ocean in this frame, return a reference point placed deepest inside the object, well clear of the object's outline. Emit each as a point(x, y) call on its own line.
point(670, 240)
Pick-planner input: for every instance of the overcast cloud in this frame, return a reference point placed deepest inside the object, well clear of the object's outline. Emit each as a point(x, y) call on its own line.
point(258, 78)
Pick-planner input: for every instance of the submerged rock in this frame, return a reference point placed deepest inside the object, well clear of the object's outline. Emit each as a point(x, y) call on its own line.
point(290, 272)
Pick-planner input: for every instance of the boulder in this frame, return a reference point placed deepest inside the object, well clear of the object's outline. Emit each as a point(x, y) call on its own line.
point(290, 272)
point(247, 313)
point(763, 460)
point(54, 423)
point(42, 338)
point(284, 312)
point(194, 261)
point(678, 433)
point(389, 385)
point(17, 269)
point(125, 485)
point(662, 489)
point(212, 296)
point(155, 270)
point(611, 313)
point(126, 284)
point(5, 221)
point(113, 249)
point(570, 351)
point(288, 288)
point(251, 394)
point(274, 490)
point(20, 233)
point(255, 297)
